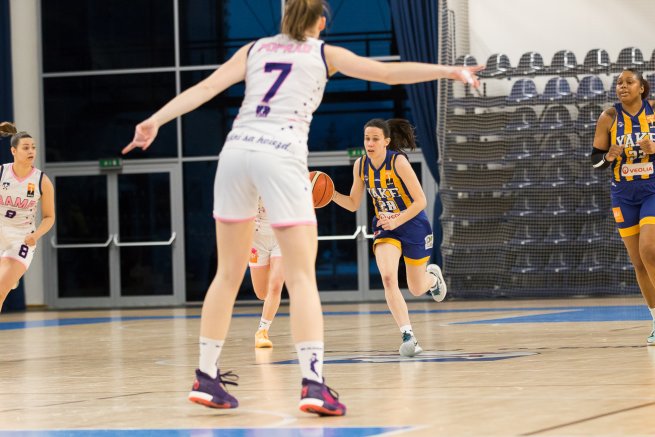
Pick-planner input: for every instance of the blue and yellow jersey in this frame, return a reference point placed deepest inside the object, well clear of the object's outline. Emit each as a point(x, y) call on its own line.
point(627, 130)
point(387, 190)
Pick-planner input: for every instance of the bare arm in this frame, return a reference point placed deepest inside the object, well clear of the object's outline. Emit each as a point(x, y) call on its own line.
point(602, 138)
point(354, 200)
point(47, 212)
point(392, 73)
point(231, 72)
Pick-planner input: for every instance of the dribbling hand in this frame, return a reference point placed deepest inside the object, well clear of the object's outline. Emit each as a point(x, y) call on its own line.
point(387, 220)
point(144, 135)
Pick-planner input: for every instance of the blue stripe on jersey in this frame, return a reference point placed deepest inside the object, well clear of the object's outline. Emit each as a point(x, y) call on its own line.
point(393, 181)
point(327, 70)
point(40, 183)
point(402, 183)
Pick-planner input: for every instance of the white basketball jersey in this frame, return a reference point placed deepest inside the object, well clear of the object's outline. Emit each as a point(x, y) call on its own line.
point(285, 80)
point(19, 197)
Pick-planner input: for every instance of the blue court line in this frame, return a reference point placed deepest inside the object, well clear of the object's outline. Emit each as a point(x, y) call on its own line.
point(219, 432)
point(577, 314)
point(556, 314)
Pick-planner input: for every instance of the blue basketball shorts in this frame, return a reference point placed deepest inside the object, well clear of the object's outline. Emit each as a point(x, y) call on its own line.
point(633, 205)
point(413, 238)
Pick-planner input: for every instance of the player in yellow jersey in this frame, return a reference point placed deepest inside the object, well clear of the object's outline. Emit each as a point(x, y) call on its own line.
point(400, 225)
point(624, 141)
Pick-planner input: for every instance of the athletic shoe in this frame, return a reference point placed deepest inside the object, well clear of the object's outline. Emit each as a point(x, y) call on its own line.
point(261, 339)
point(409, 347)
point(439, 290)
point(651, 339)
point(209, 391)
point(320, 399)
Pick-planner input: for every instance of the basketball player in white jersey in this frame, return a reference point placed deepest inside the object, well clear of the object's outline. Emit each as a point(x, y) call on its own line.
point(266, 273)
point(266, 154)
point(21, 187)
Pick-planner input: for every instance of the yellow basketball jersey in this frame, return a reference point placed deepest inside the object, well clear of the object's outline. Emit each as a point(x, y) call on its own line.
point(386, 188)
point(627, 130)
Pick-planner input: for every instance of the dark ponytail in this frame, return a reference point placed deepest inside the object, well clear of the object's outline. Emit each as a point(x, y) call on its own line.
point(8, 129)
point(399, 130)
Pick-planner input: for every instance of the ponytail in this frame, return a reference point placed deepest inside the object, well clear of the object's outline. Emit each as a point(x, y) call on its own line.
point(8, 129)
point(300, 15)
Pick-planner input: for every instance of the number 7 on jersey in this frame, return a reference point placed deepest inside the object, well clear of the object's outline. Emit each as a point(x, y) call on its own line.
point(284, 68)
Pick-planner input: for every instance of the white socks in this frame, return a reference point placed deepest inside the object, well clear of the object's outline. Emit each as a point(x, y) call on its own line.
point(210, 351)
point(310, 357)
point(406, 328)
point(264, 324)
point(652, 312)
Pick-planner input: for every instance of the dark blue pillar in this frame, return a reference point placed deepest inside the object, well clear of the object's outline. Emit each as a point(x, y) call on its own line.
point(16, 299)
point(416, 24)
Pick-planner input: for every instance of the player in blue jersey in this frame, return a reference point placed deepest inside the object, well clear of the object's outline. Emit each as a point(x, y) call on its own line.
point(23, 186)
point(400, 225)
point(624, 141)
point(265, 154)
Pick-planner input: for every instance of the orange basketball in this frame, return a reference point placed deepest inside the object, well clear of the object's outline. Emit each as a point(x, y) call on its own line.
point(322, 188)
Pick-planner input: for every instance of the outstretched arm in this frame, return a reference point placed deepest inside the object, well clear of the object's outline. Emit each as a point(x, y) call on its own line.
point(351, 202)
point(393, 73)
point(231, 72)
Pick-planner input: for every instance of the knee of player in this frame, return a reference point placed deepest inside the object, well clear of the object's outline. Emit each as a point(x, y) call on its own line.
point(261, 294)
point(389, 279)
point(647, 255)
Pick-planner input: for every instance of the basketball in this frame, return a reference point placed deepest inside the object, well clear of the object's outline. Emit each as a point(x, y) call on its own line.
point(322, 188)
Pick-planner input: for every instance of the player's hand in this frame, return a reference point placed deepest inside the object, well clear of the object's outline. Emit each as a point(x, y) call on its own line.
point(144, 135)
point(467, 75)
point(647, 145)
point(614, 152)
point(388, 220)
point(30, 240)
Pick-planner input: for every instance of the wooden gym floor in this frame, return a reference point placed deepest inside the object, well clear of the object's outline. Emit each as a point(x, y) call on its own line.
point(493, 368)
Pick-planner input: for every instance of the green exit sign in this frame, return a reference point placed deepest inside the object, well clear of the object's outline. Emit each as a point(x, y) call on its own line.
point(356, 152)
point(111, 163)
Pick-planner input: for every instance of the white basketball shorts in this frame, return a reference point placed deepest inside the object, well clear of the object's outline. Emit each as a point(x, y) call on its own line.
point(12, 245)
point(283, 183)
point(264, 247)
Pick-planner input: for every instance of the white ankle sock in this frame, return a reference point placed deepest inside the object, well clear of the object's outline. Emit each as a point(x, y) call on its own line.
point(264, 324)
point(406, 328)
point(210, 352)
point(652, 312)
point(310, 357)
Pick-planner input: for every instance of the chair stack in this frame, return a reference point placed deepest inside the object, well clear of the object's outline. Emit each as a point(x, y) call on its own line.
point(524, 214)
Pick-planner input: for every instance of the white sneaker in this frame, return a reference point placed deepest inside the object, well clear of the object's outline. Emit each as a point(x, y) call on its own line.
point(409, 347)
point(651, 338)
point(439, 290)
